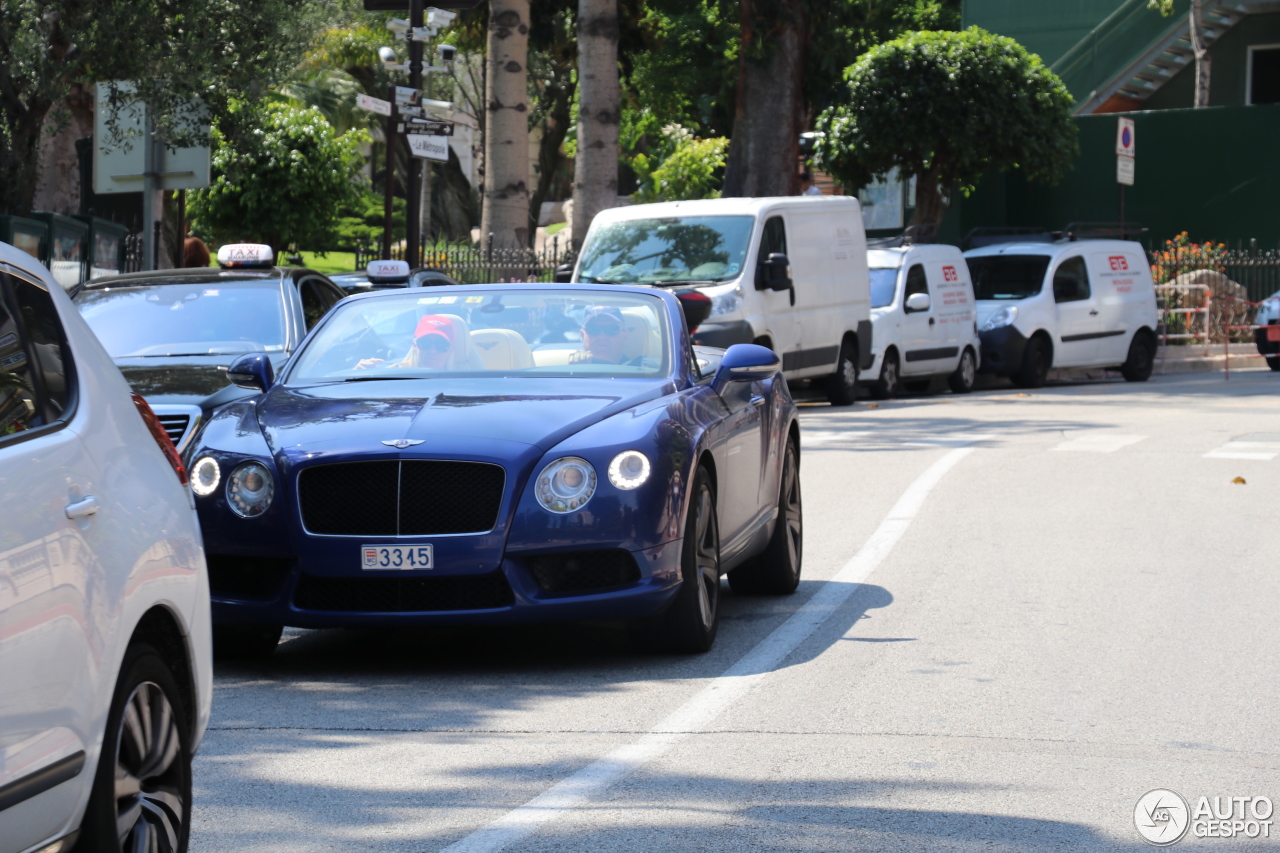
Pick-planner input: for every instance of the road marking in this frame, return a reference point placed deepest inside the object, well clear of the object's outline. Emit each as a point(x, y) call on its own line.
point(1099, 443)
point(1263, 451)
point(695, 714)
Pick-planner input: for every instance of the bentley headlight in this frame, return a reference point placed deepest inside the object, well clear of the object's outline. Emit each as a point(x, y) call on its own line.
point(629, 469)
point(566, 484)
point(205, 476)
point(250, 489)
point(1003, 317)
point(726, 303)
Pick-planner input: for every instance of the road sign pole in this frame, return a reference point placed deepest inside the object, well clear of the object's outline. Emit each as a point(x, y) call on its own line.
point(388, 199)
point(412, 202)
point(148, 195)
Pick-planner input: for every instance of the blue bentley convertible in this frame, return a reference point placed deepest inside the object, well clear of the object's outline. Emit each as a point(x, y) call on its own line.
point(496, 454)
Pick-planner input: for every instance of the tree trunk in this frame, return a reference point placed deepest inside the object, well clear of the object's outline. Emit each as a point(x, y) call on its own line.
point(595, 179)
point(506, 139)
point(931, 203)
point(1202, 57)
point(764, 153)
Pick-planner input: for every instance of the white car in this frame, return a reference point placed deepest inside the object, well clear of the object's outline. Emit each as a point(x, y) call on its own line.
point(923, 313)
point(1069, 303)
point(105, 652)
point(787, 273)
point(1267, 335)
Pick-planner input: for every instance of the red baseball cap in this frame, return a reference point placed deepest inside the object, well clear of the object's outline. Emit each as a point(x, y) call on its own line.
point(435, 324)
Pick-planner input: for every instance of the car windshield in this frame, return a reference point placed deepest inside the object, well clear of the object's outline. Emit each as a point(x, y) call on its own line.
point(1007, 276)
point(674, 249)
point(170, 319)
point(884, 281)
point(477, 332)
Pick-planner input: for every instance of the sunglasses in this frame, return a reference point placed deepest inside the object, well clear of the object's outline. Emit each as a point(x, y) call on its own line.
point(434, 343)
point(609, 330)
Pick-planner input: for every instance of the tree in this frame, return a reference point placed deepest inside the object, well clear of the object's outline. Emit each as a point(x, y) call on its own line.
point(280, 176)
point(1199, 50)
point(683, 167)
point(171, 50)
point(506, 138)
point(595, 180)
point(946, 107)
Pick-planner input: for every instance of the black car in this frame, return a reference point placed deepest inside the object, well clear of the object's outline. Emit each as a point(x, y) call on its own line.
point(173, 333)
point(362, 281)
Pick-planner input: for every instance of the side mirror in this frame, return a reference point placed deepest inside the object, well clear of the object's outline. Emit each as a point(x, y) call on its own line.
point(253, 371)
point(563, 274)
point(697, 308)
point(918, 302)
point(746, 363)
point(774, 273)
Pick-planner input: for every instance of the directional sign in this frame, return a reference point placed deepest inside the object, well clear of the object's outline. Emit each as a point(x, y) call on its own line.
point(373, 105)
point(1124, 170)
point(427, 126)
point(1125, 138)
point(429, 146)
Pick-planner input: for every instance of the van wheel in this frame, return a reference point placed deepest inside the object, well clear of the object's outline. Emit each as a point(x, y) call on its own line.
point(966, 374)
point(141, 795)
point(1273, 362)
point(1035, 364)
point(842, 386)
point(890, 382)
point(1142, 359)
point(690, 623)
point(777, 570)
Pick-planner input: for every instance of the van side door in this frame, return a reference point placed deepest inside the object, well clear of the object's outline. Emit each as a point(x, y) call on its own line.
point(1078, 317)
point(923, 345)
point(1119, 292)
point(779, 317)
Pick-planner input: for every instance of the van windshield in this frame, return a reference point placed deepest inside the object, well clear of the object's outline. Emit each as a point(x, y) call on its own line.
point(884, 281)
point(1007, 276)
point(667, 250)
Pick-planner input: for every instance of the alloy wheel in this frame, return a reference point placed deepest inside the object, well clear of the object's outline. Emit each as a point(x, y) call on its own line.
point(148, 788)
point(707, 555)
point(791, 489)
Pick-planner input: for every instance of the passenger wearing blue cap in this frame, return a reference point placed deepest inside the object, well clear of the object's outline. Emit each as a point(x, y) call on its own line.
point(604, 338)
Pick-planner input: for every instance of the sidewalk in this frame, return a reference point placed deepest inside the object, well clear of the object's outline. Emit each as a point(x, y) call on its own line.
point(1180, 359)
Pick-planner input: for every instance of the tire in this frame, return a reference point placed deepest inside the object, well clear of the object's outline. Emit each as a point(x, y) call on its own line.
point(245, 642)
point(1141, 361)
point(777, 570)
point(1035, 364)
point(890, 382)
point(965, 375)
point(1273, 362)
point(842, 386)
point(690, 622)
point(141, 799)
point(918, 386)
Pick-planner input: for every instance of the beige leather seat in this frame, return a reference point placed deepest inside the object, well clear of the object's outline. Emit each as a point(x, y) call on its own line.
point(502, 349)
point(465, 356)
point(553, 357)
point(642, 337)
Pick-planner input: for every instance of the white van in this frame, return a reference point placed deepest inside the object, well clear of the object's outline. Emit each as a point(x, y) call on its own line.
point(788, 273)
point(925, 320)
point(1086, 303)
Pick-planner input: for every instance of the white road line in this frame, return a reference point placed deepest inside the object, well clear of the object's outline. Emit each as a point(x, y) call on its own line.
point(1263, 451)
point(706, 705)
point(1099, 443)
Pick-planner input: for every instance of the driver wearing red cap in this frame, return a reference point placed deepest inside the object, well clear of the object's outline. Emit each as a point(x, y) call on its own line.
point(432, 348)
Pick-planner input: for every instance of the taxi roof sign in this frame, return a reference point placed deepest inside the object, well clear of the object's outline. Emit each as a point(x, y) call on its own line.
point(388, 271)
point(246, 255)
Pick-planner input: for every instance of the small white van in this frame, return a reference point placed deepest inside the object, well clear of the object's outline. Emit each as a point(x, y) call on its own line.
point(788, 273)
point(925, 320)
point(1086, 303)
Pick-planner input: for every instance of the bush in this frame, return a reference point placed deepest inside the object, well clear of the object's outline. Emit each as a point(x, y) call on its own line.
point(684, 167)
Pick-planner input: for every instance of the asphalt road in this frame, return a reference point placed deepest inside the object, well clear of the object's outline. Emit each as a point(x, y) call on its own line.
point(1019, 613)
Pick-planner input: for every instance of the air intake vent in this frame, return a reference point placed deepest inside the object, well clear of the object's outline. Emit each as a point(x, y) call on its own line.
point(175, 426)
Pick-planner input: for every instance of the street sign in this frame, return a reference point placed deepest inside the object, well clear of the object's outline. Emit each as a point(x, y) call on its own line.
point(1125, 138)
point(406, 96)
point(373, 105)
point(124, 167)
point(427, 126)
point(429, 146)
point(1124, 170)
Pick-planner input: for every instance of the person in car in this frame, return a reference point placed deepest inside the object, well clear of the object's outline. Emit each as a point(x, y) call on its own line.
point(433, 345)
point(605, 338)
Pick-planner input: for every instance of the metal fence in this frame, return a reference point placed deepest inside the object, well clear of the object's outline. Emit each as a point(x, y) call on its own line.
point(484, 264)
point(1208, 291)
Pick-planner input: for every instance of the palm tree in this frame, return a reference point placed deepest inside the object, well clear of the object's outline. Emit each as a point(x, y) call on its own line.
point(506, 127)
point(595, 179)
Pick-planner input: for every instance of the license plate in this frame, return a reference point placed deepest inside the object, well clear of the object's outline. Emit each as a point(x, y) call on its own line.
point(395, 557)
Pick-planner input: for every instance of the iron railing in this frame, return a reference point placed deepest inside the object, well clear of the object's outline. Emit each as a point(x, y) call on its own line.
point(486, 263)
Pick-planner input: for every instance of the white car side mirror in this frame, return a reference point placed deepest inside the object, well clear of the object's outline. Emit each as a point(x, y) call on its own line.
point(918, 302)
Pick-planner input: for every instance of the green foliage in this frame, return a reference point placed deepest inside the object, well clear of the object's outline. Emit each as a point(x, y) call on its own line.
point(950, 104)
point(280, 176)
point(360, 220)
point(1164, 7)
point(684, 167)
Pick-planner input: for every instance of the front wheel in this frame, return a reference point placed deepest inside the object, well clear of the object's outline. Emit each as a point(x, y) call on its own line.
point(842, 386)
point(777, 570)
point(890, 382)
point(141, 796)
point(965, 375)
point(1142, 359)
point(1035, 364)
point(690, 623)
